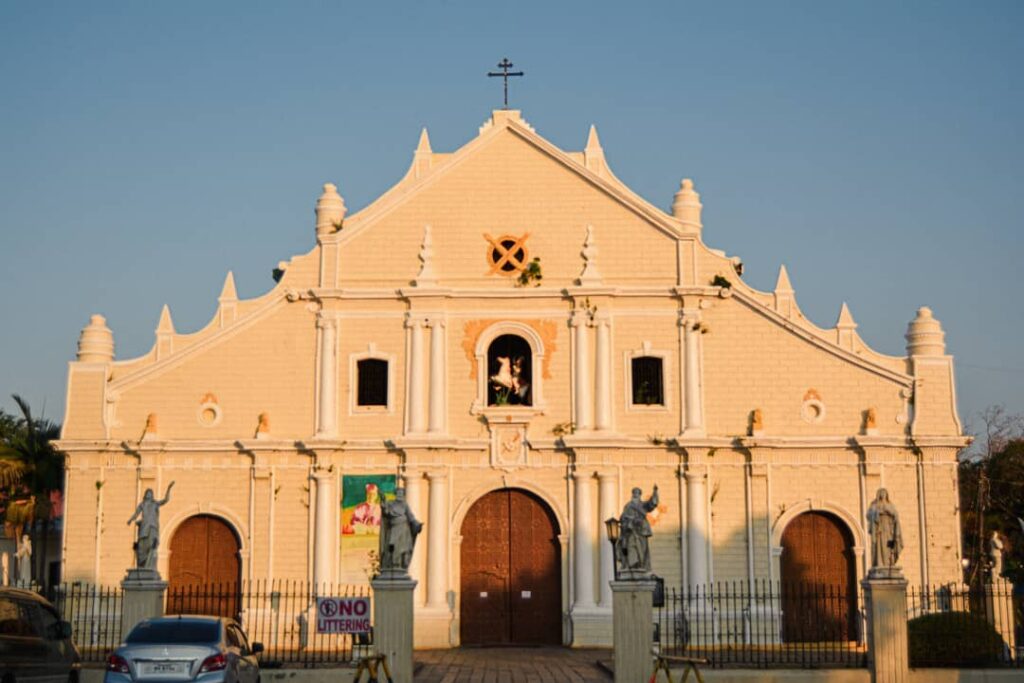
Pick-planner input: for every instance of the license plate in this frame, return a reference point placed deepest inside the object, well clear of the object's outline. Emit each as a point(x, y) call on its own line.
point(165, 668)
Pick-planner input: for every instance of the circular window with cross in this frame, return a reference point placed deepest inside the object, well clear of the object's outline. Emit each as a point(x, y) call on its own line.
point(507, 255)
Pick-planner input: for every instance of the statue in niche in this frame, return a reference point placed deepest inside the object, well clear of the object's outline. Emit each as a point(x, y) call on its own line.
point(148, 538)
point(24, 558)
point(886, 535)
point(633, 551)
point(995, 553)
point(511, 385)
point(398, 531)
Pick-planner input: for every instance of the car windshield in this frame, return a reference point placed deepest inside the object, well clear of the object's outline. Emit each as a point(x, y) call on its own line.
point(174, 632)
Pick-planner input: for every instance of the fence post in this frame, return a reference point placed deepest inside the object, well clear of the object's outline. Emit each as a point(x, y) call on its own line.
point(885, 594)
point(393, 624)
point(143, 598)
point(633, 629)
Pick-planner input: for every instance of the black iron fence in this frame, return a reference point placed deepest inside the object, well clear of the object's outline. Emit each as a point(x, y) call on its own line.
point(763, 624)
point(279, 614)
point(94, 613)
point(957, 626)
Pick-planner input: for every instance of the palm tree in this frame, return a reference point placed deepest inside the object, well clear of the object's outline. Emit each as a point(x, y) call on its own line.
point(29, 461)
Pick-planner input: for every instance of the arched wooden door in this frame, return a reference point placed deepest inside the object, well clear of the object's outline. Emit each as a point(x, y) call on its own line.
point(819, 580)
point(205, 568)
point(511, 586)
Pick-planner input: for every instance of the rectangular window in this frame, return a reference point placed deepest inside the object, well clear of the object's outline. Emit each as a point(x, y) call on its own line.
point(648, 385)
point(372, 387)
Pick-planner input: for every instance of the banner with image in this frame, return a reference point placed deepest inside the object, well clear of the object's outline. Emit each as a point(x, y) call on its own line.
point(361, 496)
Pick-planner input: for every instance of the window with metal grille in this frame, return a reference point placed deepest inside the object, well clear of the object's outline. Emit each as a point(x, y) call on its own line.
point(648, 382)
point(372, 383)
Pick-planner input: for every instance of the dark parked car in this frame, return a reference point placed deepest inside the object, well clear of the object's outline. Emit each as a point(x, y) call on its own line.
point(35, 645)
point(185, 648)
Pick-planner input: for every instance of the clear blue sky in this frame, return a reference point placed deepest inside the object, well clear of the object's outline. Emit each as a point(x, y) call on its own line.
point(875, 148)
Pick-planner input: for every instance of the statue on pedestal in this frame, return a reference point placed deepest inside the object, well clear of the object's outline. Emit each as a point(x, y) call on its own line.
point(886, 535)
point(633, 549)
point(398, 531)
point(24, 557)
point(148, 539)
point(995, 553)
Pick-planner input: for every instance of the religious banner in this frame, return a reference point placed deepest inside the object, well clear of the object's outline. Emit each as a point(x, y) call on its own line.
point(361, 496)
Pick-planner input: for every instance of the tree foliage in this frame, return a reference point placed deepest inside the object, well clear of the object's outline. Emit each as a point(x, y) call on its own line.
point(992, 493)
point(29, 464)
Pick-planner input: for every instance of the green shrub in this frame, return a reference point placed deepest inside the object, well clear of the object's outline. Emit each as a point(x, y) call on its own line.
point(956, 639)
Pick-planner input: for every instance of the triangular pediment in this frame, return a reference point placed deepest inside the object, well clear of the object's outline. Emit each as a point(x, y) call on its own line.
point(508, 182)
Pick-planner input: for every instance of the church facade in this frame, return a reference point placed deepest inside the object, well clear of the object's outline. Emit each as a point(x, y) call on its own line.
point(519, 340)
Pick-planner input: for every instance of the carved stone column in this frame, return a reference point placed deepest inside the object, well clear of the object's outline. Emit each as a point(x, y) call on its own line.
point(327, 408)
point(581, 380)
point(693, 382)
point(608, 506)
point(417, 421)
point(583, 544)
point(325, 533)
point(436, 424)
point(413, 481)
point(696, 525)
point(603, 374)
point(437, 542)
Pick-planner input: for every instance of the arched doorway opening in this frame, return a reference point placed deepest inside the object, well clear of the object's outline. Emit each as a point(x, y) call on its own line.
point(819, 579)
point(205, 570)
point(511, 585)
point(509, 371)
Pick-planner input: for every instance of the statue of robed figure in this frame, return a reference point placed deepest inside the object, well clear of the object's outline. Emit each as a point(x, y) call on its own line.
point(398, 531)
point(886, 535)
point(148, 534)
point(633, 551)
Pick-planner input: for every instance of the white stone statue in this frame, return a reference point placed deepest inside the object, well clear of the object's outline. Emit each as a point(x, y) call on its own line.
point(886, 535)
point(148, 539)
point(24, 557)
point(995, 553)
point(398, 531)
point(632, 551)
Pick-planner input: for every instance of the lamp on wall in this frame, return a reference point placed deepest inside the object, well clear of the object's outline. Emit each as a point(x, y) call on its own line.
point(613, 528)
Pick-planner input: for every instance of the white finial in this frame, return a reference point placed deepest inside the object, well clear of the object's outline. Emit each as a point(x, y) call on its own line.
point(686, 206)
point(330, 210)
point(166, 325)
point(590, 274)
point(426, 276)
point(227, 292)
point(423, 157)
point(424, 143)
point(845, 321)
point(924, 335)
point(96, 342)
point(782, 284)
point(593, 154)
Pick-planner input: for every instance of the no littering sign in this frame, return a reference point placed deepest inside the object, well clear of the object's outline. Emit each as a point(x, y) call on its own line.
point(343, 615)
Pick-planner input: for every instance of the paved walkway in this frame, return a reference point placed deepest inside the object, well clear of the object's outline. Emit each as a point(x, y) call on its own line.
point(511, 665)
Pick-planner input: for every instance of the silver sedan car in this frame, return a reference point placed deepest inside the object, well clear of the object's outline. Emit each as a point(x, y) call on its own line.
point(185, 648)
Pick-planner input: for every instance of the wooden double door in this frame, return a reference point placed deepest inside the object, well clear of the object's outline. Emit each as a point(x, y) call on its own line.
point(511, 586)
point(819, 580)
point(205, 568)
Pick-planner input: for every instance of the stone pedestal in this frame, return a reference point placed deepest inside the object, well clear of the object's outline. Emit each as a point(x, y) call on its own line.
point(143, 598)
point(885, 596)
point(393, 624)
point(633, 629)
point(999, 611)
